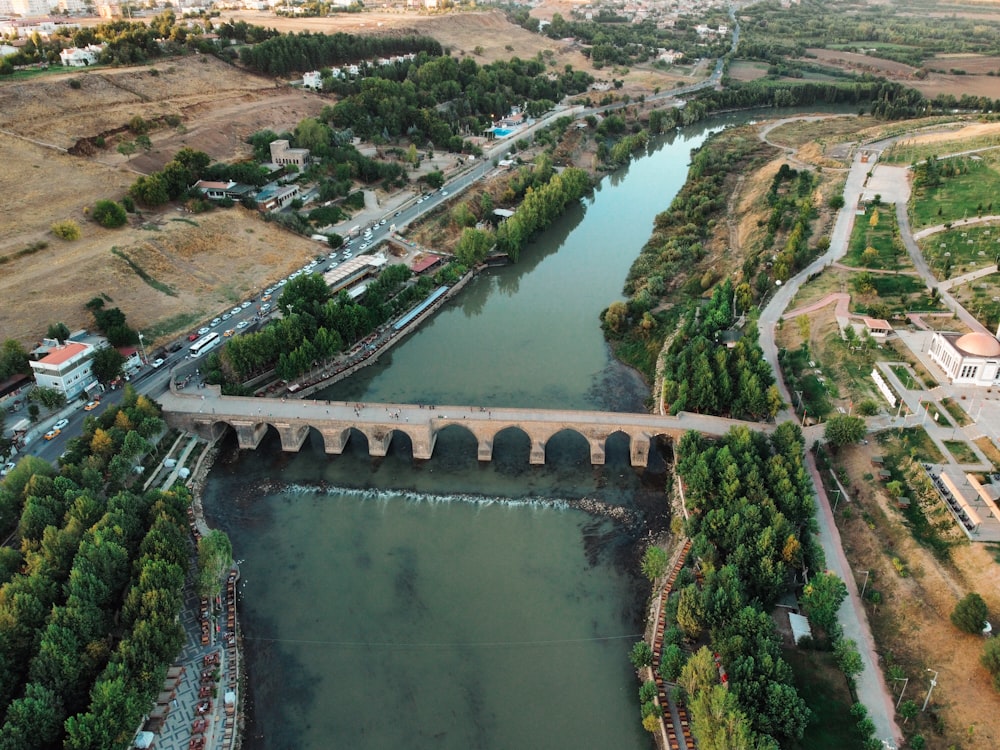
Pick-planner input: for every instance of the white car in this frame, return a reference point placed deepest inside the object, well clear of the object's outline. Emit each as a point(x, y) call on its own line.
point(227, 316)
point(351, 255)
point(269, 290)
point(235, 311)
point(382, 223)
point(265, 307)
point(7, 468)
point(215, 322)
point(156, 362)
point(245, 305)
point(243, 324)
point(203, 330)
point(444, 192)
point(60, 424)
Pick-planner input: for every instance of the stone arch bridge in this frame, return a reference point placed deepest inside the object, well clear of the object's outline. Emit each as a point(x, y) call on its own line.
point(208, 414)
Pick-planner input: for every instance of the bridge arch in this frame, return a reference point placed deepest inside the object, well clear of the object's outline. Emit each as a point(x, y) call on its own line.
point(513, 442)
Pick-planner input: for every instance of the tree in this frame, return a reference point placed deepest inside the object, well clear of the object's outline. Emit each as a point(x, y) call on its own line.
point(970, 614)
point(435, 179)
point(651, 723)
point(109, 214)
point(672, 662)
point(845, 651)
point(107, 364)
point(58, 331)
point(654, 562)
point(50, 398)
point(13, 359)
point(215, 556)
point(821, 600)
point(908, 710)
point(641, 655)
point(126, 149)
point(843, 430)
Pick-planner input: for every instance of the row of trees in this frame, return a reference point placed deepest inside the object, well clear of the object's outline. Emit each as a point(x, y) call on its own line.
point(171, 182)
point(89, 603)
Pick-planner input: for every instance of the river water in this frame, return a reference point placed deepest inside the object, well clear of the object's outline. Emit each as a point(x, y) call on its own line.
point(451, 604)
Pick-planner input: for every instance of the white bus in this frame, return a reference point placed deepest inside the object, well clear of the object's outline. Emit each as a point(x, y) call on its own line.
point(205, 342)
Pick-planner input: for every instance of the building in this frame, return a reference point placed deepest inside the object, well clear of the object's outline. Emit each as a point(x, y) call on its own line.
point(30, 8)
point(275, 198)
point(878, 328)
point(79, 57)
point(219, 190)
point(354, 271)
point(283, 155)
point(970, 359)
point(312, 80)
point(65, 367)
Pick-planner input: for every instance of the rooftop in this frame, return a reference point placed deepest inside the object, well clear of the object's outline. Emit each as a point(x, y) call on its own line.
point(60, 354)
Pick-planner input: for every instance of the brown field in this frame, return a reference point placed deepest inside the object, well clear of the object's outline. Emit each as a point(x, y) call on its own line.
point(206, 265)
point(912, 623)
point(747, 70)
point(975, 83)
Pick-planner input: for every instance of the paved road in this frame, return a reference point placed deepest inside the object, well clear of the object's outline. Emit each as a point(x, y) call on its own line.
point(871, 687)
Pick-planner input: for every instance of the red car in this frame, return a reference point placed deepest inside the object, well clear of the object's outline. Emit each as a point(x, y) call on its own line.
point(193, 337)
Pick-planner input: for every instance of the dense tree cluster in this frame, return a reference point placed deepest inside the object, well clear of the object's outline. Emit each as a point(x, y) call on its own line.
point(751, 507)
point(171, 182)
point(792, 213)
point(88, 614)
point(703, 374)
point(315, 326)
point(111, 322)
point(440, 99)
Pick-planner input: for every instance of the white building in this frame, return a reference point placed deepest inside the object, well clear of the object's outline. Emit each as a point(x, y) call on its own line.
point(30, 8)
point(312, 80)
point(79, 57)
point(970, 359)
point(65, 367)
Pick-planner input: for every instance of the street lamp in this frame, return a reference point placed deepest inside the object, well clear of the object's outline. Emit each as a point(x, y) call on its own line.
point(930, 689)
point(142, 348)
point(837, 501)
point(865, 584)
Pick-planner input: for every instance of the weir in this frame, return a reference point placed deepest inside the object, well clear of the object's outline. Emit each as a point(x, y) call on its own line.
point(209, 414)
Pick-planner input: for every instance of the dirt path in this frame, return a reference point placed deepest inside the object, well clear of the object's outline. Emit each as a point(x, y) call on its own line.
point(842, 299)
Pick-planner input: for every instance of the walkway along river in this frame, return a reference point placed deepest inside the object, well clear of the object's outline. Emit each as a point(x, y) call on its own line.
point(452, 603)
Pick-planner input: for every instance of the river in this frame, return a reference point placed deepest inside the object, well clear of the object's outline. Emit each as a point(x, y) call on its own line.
point(451, 604)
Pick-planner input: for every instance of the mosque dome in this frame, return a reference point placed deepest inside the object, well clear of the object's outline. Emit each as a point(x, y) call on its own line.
point(979, 345)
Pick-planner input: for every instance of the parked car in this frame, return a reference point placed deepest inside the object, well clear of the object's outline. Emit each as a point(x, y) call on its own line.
point(60, 424)
point(203, 330)
point(156, 362)
point(193, 336)
point(243, 324)
point(266, 297)
point(245, 304)
point(265, 307)
point(235, 311)
point(215, 322)
point(7, 468)
point(229, 333)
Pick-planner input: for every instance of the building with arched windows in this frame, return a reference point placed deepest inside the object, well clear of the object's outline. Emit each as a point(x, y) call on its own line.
point(967, 359)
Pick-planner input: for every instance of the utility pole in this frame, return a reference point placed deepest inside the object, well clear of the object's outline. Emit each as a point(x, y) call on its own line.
point(930, 689)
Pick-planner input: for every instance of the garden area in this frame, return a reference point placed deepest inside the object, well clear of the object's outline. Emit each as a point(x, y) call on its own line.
point(981, 298)
point(958, 251)
point(887, 296)
point(960, 187)
point(875, 241)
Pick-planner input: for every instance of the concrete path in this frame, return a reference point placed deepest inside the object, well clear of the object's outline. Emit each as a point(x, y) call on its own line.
point(954, 225)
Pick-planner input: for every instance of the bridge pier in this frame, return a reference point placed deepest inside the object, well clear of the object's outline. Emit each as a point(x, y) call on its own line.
point(334, 439)
point(249, 434)
point(485, 449)
point(292, 436)
point(378, 443)
point(596, 452)
point(422, 439)
point(537, 457)
point(639, 449)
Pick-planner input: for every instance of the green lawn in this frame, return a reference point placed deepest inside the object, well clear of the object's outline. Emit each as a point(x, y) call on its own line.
point(957, 413)
point(909, 440)
point(879, 234)
point(981, 298)
point(903, 373)
point(962, 249)
point(961, 451)
point(964, 195)
point(884, 295)
point(934, 413)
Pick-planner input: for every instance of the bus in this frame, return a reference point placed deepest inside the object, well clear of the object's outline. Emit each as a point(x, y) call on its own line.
point(205, 342)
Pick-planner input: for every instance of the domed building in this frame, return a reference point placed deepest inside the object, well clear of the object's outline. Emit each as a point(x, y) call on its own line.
point(968, 359)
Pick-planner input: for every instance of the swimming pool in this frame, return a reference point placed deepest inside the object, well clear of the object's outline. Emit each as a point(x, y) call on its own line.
point(502, 132)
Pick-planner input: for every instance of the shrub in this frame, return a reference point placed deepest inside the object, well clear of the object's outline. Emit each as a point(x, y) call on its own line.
point(74, 83)
point(109, 214)
point(970, 614)
point(67, 230)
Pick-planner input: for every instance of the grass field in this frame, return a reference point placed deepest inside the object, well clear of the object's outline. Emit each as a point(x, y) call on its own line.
point(982, 298)
point(877, 230)
point(957, 413)
point(824, 689)
point(934, 413)
point(910, 152)
point(903, 373)
point(989, 449)
point(968, 193)
point(961, 451)
point(956, 251)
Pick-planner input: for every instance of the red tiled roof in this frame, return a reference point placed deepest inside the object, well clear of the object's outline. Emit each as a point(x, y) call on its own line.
point(61, 354)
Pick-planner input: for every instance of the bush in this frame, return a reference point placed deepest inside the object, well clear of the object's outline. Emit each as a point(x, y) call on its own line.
point(641, 655)
point(991, 659)
point(109, 214)
point(74, 83)
point(67, 230)
point(970, 614)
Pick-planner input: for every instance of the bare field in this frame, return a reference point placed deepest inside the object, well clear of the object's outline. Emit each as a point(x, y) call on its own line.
point(206, 261)
point(976, 83)
point(912, 623)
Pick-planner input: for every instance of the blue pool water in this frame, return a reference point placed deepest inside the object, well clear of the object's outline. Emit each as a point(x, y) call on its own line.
point(502, 132)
